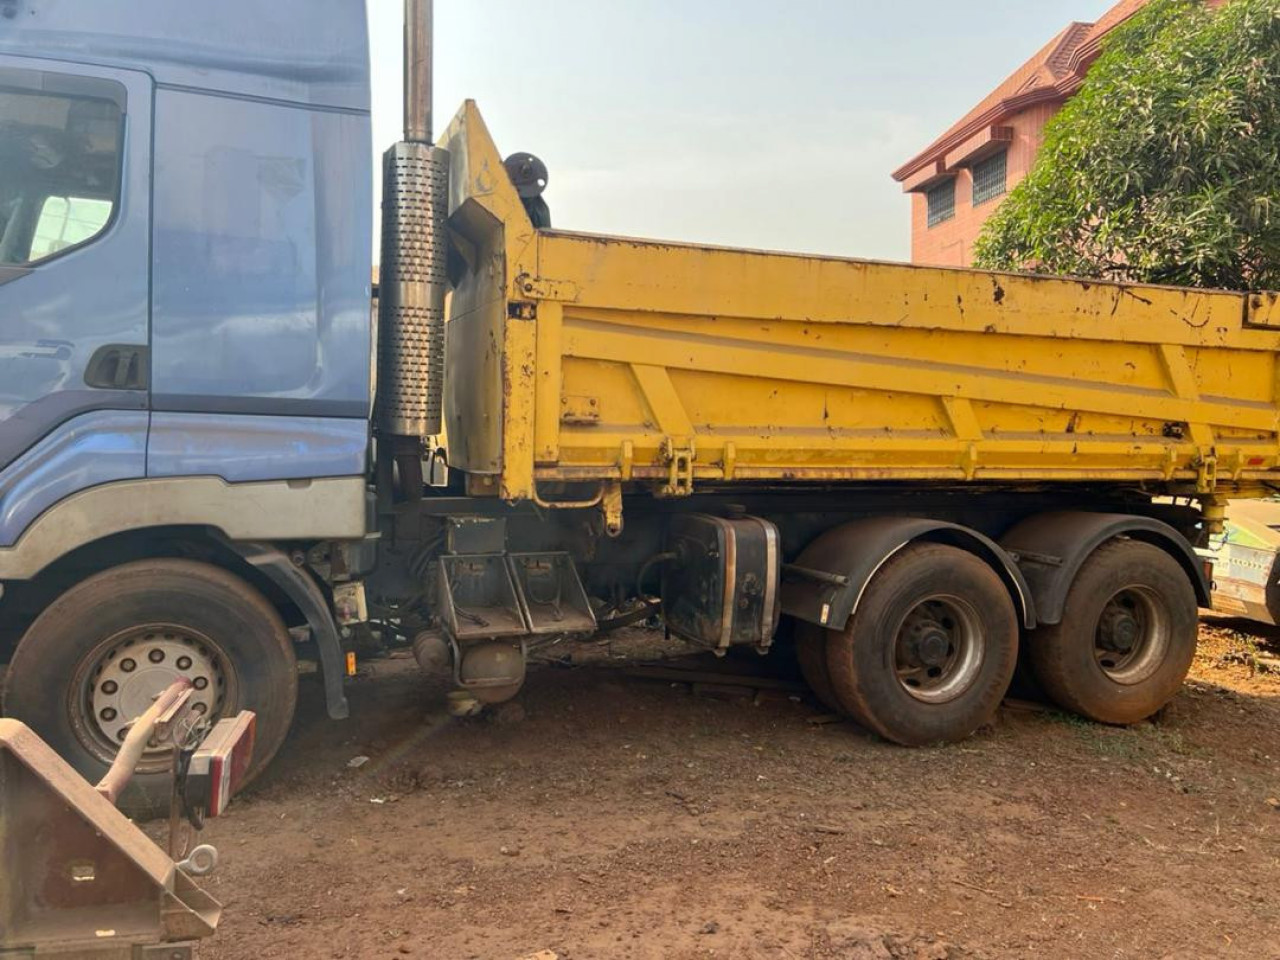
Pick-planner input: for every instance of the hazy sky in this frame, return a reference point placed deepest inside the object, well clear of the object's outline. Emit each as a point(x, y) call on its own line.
point(741, 122)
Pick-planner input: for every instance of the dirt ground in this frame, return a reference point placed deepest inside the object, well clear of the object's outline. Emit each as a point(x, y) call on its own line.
point(613, 816)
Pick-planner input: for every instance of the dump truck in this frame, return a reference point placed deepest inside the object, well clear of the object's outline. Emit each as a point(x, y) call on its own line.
point(218, 467)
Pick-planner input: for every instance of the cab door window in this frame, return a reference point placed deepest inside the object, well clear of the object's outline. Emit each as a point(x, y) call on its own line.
point(61, 151)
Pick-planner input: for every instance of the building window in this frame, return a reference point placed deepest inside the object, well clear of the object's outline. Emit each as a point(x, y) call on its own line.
point(942, 203)
point(990, 177)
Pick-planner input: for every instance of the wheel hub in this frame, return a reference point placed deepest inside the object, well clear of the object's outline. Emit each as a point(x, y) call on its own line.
point(932, 645)
point(939, 650)
point(135, 667)
point(1133, 635)
point(1119, 629)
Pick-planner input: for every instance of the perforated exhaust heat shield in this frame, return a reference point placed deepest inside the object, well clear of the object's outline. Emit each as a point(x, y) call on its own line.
point(411, 298)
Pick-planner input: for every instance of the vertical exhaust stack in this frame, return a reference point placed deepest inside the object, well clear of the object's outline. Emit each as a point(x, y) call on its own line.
point(415, 207)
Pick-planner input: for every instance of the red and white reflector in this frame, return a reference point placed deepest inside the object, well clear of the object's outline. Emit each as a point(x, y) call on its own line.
point(219, 766)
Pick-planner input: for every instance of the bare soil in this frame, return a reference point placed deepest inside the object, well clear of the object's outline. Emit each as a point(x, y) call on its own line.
point(606, 815)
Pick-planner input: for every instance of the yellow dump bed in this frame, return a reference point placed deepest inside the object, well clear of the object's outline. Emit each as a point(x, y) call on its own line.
point(588, 358)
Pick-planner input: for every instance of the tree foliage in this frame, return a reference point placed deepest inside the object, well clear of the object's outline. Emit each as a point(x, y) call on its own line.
point(1165, 167)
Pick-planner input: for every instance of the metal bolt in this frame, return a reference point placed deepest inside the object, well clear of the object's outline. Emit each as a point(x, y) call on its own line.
point(184, 663)
point(108, 714)
point(128, 665)
point(109, 687)
point(200, 682)
point(156, 656)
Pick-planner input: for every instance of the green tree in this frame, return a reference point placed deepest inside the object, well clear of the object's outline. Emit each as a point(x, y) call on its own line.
point(1165, 167)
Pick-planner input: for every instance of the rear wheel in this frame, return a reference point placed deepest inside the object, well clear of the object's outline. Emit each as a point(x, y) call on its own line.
point(1127, 639)
point(929, 653)
point(97, 657)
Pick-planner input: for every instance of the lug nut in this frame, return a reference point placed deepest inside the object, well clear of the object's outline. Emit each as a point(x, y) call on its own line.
point(128, 665)
point(200, 682)
point(108, 715)
point(109, 687)
point(184, 663)
point(156, 656)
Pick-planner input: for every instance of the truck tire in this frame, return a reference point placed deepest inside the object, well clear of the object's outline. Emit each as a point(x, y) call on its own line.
point(1127, 639)
point(928, 654)
point(95, 658)
point(811, 653)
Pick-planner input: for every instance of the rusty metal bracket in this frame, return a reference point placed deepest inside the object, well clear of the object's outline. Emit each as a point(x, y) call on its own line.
point(538, 288)
point(627, 460)
point(594, 501)
point(679, 457)
point(1207, 473)
point(86, 881)
point(580, 411)
point(611, 506)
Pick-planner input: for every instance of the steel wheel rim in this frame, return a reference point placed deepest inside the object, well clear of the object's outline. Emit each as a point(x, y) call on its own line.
point(123, 674)
point(939, 649)
point(1132, 637)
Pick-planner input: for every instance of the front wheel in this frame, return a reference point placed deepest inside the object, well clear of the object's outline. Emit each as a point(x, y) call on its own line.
point(1127, 638)
point(97, 657)
point(929, 653)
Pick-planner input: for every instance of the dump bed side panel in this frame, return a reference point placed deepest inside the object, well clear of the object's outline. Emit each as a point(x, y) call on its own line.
point(781, 367)
point(769, 367)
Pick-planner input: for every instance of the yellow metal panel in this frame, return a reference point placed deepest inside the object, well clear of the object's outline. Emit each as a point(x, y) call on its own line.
point(663, 400)
point(781, 367)
point(494, 242)
point(519, 388)
point(1184, 386)
point(550, 392)
point(783, 361)
point(653, 277)
point(964, 422)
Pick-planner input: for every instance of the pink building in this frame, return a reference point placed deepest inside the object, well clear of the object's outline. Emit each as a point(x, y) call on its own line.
point(962, 177)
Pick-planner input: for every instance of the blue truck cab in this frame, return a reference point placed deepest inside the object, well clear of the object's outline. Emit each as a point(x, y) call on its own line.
point(185, 328)
point(185, 217)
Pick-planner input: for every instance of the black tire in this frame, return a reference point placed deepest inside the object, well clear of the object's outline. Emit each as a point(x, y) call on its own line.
point(957, 606)
point(1077, 664)
point(239, 635)
point(811, 654)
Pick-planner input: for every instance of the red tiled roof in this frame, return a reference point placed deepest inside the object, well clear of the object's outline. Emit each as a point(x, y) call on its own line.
point(1117, 15)
point(1052, 74)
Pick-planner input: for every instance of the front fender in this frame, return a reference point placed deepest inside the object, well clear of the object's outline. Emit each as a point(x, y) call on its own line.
point(307, 596)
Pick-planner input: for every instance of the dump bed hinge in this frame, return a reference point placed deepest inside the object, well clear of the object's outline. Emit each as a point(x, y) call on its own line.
point(1207, 473)
point(679, 456)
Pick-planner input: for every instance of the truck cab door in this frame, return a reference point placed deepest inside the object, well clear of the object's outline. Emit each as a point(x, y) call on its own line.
point(75, 225)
